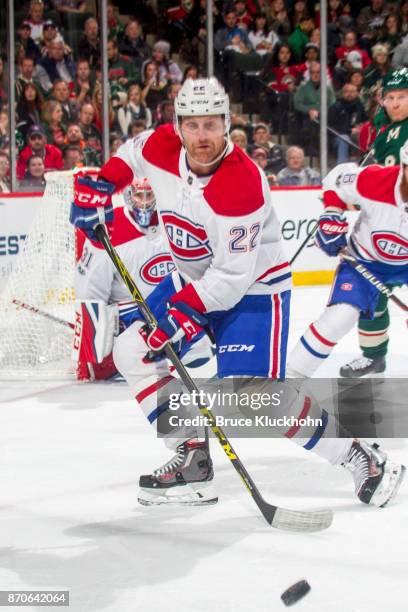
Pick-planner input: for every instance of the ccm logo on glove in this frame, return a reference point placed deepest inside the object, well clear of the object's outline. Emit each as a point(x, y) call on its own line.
point(92, 198)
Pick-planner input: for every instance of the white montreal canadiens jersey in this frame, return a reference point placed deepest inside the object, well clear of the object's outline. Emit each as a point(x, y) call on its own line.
point(144, 253)
point(381, 231)
point(223, 233)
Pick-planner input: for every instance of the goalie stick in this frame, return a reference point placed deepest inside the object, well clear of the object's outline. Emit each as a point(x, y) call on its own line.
point(280, 518)
point(373, 280)
point(42, 313)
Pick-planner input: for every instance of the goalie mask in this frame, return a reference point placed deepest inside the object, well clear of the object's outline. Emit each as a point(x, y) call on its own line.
point(141, 201)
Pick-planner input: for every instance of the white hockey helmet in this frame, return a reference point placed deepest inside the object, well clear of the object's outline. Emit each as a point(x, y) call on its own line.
point(140, 200)
point(404, 154)
point(201, 97)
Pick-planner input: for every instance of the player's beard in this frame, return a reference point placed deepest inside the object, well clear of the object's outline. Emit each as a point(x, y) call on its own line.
point(205, 151)
point(206, 154)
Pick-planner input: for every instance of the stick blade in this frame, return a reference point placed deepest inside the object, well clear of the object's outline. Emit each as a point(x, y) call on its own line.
point(306, 521)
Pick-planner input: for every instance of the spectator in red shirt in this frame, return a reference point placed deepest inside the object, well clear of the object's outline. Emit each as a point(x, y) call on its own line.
point(36, 145)
point(368, 131)
point(244, 18)
point(280, 76)
point(350, 44)
point(280, 66)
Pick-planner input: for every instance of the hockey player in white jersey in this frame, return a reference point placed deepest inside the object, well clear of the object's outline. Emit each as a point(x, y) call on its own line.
point(102, 300)
point(215, 208)
point(379, 240)
point(103, 309)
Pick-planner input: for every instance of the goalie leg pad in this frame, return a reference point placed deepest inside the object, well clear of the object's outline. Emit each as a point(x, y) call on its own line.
point(96, 324)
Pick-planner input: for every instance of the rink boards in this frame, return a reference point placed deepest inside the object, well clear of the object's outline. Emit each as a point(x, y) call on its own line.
point(297, 208)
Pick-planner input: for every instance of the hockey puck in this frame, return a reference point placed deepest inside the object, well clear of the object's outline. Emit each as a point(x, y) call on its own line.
point(295, 592)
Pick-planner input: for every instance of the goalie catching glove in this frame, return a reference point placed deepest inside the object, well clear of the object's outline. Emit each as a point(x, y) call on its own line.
point(331, 235)
point(92, 204)
point(180, 322)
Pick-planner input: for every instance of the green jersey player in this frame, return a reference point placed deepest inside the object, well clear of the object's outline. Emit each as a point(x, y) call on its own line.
point(373, 334)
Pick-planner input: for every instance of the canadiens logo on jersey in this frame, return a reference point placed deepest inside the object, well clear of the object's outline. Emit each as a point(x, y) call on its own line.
point(188, 241)
point(390, 247)
point(156, 268)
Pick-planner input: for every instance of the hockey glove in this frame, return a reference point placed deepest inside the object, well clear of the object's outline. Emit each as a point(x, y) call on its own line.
point(331, 235)
point(179, 323)
point(92, 204)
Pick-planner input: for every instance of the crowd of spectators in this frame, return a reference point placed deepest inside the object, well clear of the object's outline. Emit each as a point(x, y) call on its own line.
point(266, 54)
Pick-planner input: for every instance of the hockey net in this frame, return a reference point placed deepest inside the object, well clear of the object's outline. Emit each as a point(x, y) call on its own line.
point(32, 345)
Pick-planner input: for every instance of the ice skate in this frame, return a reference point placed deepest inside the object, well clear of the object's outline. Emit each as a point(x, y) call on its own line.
point(376, 478)
point(184, 480)
point(363, 366)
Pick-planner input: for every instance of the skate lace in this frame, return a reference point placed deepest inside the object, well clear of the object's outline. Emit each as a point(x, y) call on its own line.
point(172, 464)
point(360, 362)
point(358, 465)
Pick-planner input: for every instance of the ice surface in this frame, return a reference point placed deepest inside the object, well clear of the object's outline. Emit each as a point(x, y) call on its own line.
point(70, 458)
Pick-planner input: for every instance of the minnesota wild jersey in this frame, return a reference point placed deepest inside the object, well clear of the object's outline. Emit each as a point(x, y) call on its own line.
point(389, 141)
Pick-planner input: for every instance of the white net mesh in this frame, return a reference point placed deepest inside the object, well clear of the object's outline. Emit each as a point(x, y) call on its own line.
point(43, 277)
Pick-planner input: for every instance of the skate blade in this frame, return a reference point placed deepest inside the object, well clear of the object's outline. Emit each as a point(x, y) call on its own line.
point(350, 381)
point(194, 494)
point(399, 472)
point(167, 502)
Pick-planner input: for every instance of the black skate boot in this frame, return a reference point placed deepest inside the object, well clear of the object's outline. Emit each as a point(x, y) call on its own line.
point(363, 366)
point(376, 478)
point(184, 480)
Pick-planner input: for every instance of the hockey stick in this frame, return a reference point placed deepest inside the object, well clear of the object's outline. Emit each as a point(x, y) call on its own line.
point(342, 137)
point(373, 280)
point(304, 243)
point(347, 139)
point(42, 313)
point(293, 520)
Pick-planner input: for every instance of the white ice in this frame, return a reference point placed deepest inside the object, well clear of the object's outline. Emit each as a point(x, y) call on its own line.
point(70, 458)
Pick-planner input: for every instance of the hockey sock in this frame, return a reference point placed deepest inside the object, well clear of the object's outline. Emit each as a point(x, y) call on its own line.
point(321, 337)
point(373, 334)
point(151, 384)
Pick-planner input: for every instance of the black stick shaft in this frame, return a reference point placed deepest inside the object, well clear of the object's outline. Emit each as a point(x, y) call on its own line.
point(304, 243)
point(342, 137)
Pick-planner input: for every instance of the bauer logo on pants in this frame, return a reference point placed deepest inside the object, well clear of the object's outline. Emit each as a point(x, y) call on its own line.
point(156, 268)
point(390, 246)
